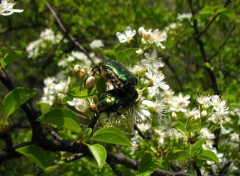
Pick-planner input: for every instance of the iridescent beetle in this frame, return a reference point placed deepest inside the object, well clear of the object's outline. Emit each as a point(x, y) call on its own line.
point(112, 100)
point(124, 93)
point(119, 76)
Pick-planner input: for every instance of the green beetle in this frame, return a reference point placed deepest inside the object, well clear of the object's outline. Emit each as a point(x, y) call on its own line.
point(120, 76)
point(114, 99)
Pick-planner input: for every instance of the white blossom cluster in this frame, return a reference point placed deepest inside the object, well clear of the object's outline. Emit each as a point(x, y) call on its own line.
point(54, 90)
point(46, 39)
point(157, 101)
point(75, 57)
point(6, 8)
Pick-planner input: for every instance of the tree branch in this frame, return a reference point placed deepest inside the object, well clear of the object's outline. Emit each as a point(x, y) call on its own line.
point(202, 50)
point(223, 44)
point(160, 172)
point(8, 141)
point(93, 121)
point(197, 170)
point(225, 168)
point(65, 32)
point(209, 23)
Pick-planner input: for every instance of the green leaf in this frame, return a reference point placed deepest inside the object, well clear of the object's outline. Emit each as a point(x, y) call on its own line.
point(12, 56)
point(207, 10)
point(86, 134)
point(147, 165)
point(51, 169)
point(180, 126)
point(35, 153)
point(197, 146)
point(123, 55)
point(208, 155)
point(111, 135)
point(101, 85)
point(15, 98)
point(99, 153)
point(109, 54)
point(83, 94)
point(178, 155)
point(62, 117)
point(44, 107)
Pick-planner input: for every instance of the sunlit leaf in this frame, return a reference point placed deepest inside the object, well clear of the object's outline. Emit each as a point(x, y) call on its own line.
point(99, 153)
point(63, 118)
point(15, 98)
point(109, 54)
point(35, 153)
point(208, 155)
point(44, 107)
point(147, 165)
point(111, 135)
point(83, 94)
point(12, 56)
point(178, 155)
point(125, 54)
point(197, 146)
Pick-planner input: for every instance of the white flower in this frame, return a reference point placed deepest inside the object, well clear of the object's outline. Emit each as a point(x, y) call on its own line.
point(154, 106)
point(206, 134)
point(194, 114)
point(78, 104)
point(46, 38)
point(79, 55)
point(54, 89)
point(171, 26)
point(157, 79)
point(178, 103)
point(49, 99)
point(204, 101)
point(143, 127)
point(151, 61)
point(183, 16)
point(139, 113)
point(96, 44)
point(220, 111)
point(219, 105)
point(6, 8)
point(150, 37)
point(127, 36)
point(139, 51)
point(159, 37)
point(139, 70)
point(153, 91)
point(167, 129)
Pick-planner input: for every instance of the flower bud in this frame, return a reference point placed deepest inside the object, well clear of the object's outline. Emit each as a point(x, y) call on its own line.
point(82, 72)
point(204, 113)
point(77, 68)
point(139, 51)
point(90, 82)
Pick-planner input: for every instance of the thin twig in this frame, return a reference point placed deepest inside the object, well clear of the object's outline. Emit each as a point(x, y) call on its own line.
point(203, 51)
point(225, 168)
point(223, 43)
point(139, 131)
point(64, 30)
point(209, 23)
